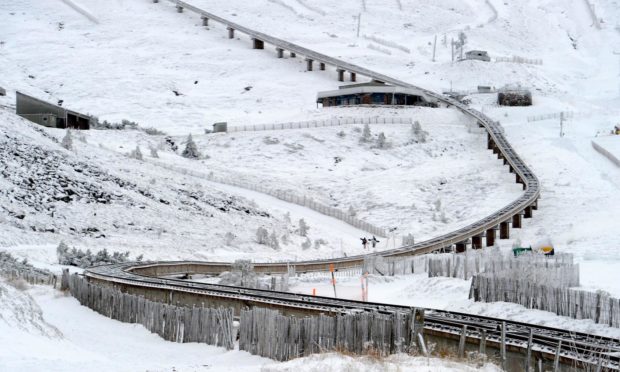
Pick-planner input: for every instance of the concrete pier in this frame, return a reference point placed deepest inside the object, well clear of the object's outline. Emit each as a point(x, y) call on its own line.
point(231, 32)
point(322, 66)
point(205, 20)
point(353, 76)
point(476, 242)
point(309, 63)
point(528, 212)
point(293, 55)
point(516, 221)
point(491, 235)
point(280, 52)
point(460, 247)
point(179, 9)
point(258, 44)
point(340, 74)
point(504, 230)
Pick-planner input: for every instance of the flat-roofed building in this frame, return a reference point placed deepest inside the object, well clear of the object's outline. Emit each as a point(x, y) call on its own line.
point(374, 93)
point(49, 114)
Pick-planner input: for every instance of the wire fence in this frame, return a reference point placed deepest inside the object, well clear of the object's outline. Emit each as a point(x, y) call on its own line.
point(517, 59)
point(334, 122)
point(283, 195)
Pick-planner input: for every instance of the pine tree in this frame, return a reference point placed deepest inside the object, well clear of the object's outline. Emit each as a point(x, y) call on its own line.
point(366, 135)
point(273, 241)
point(262, 236)
point(417, 133)
point(285, 238)
point(229, 238)
point(154, 153)
point(62, 252)
point(351, 211)
point(287, 218)
point(303, 227)
point(136, 154)
point(67, 140)
point(306, 245)
point(191, 151)
point(382, 141)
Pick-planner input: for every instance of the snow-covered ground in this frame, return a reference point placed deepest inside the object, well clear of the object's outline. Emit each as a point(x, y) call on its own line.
point(128, 65)
point(609, 146)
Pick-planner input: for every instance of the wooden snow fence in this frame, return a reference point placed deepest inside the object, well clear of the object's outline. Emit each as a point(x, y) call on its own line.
point(449, 265)
point(272, 335)
point(598, 306)
point(465, 265)
point(32, 276)
point(173, 323)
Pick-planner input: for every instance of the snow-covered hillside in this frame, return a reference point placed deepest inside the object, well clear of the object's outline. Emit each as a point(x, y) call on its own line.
point(146, 62)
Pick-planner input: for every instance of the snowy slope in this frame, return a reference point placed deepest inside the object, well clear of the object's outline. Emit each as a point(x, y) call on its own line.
point(128, 64)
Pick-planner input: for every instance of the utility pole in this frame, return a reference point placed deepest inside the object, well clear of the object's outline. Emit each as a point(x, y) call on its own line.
point(434, 48)
point(452, 44)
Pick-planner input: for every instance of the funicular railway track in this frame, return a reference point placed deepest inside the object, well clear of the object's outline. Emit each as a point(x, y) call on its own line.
point(552, 343)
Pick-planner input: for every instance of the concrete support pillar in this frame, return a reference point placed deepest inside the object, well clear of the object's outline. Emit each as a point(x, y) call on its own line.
point(353, 76)
point(205, 20)
point(495, 149)
point(280, 52)
point(512, 170)
point(179, 9)
point(516, 221)
point(231, 32)
point(460, 247)
point(491, 234)
point(340, 74)
point(309, 63)
point(505, 161)
point(322, 66)
point(490, 142)
point(519, 180)
point(535, 205)
point(476, 242)
point(293, 55)
point(258, 44)
point(528, 212)
point(504, 230)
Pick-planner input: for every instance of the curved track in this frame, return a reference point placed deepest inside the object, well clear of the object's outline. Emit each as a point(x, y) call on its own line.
point(147, 276)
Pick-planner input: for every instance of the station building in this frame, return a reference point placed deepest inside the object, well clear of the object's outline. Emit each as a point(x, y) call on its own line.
point(375, 93)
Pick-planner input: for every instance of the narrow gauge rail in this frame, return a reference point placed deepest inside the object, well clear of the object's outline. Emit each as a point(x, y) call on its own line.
point(575, 346)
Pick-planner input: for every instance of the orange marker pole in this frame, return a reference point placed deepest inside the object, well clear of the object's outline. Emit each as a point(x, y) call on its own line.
point(331, 270)
point(314, 291)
